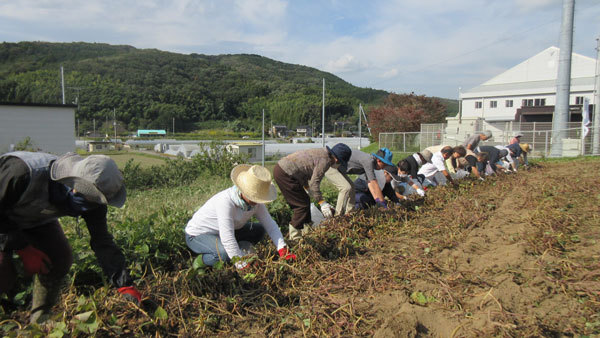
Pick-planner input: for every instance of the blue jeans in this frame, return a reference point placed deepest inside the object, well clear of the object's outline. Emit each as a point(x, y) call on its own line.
point(211, 247)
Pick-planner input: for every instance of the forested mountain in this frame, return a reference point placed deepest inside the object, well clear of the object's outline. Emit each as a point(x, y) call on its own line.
point(147, 88)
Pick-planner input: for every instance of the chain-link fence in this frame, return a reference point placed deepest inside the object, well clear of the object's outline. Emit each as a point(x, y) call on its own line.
point(537, 134)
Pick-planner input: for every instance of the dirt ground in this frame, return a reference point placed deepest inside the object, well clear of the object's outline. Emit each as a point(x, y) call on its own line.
point(512, 256)
point(522, 260)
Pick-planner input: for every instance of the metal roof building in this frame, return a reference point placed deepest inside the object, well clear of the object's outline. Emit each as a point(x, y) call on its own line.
point(527, 92)
point(50, 127)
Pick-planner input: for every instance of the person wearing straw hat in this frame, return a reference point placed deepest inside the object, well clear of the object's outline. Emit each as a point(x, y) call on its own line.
point(35, 190)
point(220, 230)
point(299, 174)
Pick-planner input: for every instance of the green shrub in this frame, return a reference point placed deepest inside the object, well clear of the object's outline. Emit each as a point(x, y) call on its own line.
point(213, 160)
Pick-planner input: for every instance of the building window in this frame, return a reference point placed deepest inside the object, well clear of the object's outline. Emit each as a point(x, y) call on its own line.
point(493, 104)
point(508, 103)
point(478, 104)
point(578, 99)
point(527, 103)
point(540, 102)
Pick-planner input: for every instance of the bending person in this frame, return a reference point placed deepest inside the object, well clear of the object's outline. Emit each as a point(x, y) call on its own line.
point(35, 190)
point(220, 230)
point(306, 168)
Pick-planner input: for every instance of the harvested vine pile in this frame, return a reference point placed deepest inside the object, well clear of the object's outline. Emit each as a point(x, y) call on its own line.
point(515, 255)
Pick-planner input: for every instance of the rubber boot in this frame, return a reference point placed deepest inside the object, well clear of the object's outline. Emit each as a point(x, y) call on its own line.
point(294, 234)
point(45, 294)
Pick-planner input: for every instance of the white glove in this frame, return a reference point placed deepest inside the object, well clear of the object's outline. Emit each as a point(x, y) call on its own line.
point(327, 209)
point(421, 192)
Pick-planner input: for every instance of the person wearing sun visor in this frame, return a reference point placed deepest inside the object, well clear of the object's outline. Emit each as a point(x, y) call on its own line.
point(35, 190)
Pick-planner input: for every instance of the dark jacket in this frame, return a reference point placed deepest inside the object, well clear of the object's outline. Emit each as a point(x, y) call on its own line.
point(16, 185)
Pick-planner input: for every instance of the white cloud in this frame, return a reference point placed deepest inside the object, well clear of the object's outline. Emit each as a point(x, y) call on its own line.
point(345, 63)
point(391, 44)
point(390, 73)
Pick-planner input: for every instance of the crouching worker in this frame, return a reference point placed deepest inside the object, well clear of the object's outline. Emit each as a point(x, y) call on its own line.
point(364, 197)
point(306, 168)
point(35, 190)
point(220, 230)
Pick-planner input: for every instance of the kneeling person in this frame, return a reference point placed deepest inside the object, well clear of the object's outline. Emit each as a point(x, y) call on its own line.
point(220, 230)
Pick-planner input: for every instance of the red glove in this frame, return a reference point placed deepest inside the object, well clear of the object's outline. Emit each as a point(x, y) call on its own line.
point(131, 294)
point(285, 254)
point(34, 260)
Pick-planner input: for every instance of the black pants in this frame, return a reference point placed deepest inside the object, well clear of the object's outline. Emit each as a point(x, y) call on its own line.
point(294, 194)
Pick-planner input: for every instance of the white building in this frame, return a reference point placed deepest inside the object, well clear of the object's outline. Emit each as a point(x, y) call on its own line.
point(252, 149)
point(49, 127)
point(527, 92)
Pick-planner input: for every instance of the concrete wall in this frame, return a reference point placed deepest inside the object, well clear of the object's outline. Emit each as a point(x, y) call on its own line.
point(51, 128)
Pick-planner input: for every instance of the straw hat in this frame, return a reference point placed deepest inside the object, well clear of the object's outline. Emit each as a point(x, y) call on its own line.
point(525, 147)
point(254, 181)
point(96, 177)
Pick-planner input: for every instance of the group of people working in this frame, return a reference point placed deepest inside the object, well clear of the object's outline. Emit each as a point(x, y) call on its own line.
point(37, 188)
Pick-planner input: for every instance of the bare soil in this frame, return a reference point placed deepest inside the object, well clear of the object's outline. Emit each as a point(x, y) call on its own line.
point(516, 256)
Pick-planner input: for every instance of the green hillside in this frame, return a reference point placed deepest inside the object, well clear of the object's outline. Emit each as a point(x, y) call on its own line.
point(147, 88)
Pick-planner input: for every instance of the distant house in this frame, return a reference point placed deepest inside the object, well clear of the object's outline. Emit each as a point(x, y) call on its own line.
point(527, 92)
point(94, 146)
point(279, 131)
point(252, 149)
point(45, 127)
point(151, 133)
point(304, 131)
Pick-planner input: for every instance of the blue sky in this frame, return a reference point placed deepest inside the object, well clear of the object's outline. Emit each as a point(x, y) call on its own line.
point(429, 47)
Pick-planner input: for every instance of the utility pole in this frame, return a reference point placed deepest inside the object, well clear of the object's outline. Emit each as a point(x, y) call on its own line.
point(62, 80)
point(173, 127)
point(359, 127)
point(563, 80)
point(323, 118)
point(115, 125)
point(263, 138)
point(596, 125)
point(94, 135)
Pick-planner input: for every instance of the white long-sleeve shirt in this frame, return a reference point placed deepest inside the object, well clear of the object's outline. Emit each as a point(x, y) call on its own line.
point(437, 164)
point(220, 216)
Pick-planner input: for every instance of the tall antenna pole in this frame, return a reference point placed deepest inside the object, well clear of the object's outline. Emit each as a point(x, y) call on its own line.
point(596, 125)
point(263, 138)
point(62, 80)
point(115, 125)
point(359, 126)
point(563, 81)
point(323, 118)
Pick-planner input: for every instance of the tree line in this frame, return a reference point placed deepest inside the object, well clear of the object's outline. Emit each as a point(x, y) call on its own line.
point(149, 88)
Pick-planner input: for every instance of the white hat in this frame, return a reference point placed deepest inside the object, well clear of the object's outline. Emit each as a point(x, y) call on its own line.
point(254, 181)
point(96, 177)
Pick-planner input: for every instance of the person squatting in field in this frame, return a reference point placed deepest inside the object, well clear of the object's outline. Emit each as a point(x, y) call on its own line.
point(300, 174)
point(361, 163)
point(384, 178)
point(220, 230)
point(435, 170)
point(35, 190)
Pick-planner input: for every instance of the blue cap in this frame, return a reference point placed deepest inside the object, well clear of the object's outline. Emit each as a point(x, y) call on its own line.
point(384, 155)
point(342, 152)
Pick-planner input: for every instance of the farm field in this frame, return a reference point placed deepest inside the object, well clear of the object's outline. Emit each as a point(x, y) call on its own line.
point(145, 160)
point(515, 255)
